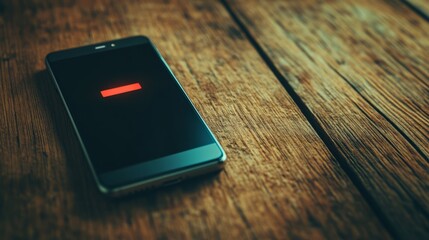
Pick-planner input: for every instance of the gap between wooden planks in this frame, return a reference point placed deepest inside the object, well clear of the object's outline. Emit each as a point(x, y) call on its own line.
point(280, 180)
point(420, 6)
point(361, 69)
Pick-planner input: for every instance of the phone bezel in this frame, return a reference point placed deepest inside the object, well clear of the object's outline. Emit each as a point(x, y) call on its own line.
point(154, 172)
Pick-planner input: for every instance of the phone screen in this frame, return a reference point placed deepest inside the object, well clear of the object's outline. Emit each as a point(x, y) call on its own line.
point(127, 107)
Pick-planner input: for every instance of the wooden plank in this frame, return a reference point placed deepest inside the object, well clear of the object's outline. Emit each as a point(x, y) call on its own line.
point(343, 59)
point(384, 58)
point(280, 180)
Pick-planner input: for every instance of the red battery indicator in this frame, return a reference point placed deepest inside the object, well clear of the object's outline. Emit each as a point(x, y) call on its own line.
point(121, 89)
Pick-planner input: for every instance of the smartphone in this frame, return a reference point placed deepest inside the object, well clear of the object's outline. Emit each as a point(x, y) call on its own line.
point(137, 127)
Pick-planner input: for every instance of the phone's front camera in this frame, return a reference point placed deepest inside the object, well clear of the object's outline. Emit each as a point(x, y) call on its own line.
point(112, 45)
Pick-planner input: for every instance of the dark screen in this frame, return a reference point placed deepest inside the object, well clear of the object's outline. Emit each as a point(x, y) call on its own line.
point(125, 129)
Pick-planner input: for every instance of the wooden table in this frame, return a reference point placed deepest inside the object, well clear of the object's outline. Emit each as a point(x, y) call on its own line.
point(321, 106)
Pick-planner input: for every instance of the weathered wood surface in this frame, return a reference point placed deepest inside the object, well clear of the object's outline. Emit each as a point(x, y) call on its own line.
point(362, 69)
point(280, 180)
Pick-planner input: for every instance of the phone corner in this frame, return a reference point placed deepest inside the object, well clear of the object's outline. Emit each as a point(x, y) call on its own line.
point(104, 190)
point(47, 58)
point(141, 37)
point(52, 57)
point(222, 159)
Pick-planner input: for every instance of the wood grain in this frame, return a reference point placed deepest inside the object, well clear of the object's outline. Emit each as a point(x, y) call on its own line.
point(359, 66)
point(280, 180)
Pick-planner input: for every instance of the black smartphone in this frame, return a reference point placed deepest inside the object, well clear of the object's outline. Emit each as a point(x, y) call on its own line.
point(137, 127)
